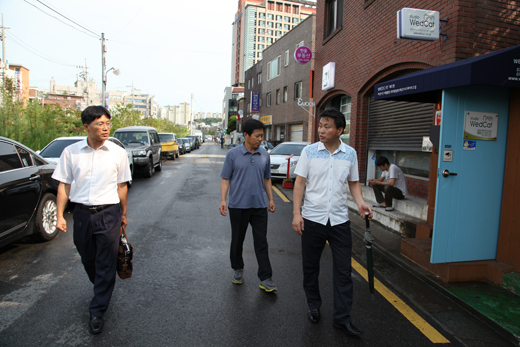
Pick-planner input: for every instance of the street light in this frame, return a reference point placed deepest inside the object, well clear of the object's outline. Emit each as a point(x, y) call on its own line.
point(104, 84)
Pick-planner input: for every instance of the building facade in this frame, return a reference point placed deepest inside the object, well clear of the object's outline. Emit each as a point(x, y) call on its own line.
point(257, 25)
point(284, 87)
point(230, 103)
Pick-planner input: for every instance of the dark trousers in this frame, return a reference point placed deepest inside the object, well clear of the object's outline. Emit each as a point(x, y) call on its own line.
point(314, 237)
point(240, 219)
point(390, 193)
point(96, 236)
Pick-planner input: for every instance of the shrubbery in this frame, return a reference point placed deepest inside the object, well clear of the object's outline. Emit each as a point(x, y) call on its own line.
point(35, 125)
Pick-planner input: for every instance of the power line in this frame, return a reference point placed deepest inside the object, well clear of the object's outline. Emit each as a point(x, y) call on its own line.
point(81, 26)
point(39, 9)
point(22, 44)
point(130, 21)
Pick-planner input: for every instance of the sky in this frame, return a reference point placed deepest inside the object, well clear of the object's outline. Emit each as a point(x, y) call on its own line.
point(166, 48)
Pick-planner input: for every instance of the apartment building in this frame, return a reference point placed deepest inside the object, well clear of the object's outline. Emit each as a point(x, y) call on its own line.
point(257, 25)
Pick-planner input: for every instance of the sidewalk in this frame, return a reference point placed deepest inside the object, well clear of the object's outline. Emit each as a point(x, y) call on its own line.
point(496, 306)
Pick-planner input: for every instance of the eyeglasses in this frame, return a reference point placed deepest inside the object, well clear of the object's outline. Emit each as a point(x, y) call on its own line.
point(102, 125)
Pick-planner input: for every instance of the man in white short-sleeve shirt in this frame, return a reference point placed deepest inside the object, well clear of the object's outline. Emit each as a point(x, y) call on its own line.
point(325, 170)
point(391, 182)
point(100, 171)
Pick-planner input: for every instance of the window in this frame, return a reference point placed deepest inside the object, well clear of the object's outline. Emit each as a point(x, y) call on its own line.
point(278, 96)
point(270, 17)
point(270, 40)
point(261, 31)
point(296, 9)
point(286, 58)
point(259, 55)
point(344, 107)
point(9, 159)
point(334, 10)
point(295, 20)
point(261, 38)
point(260, 47)
point(270, 24)
point(299, 44)
point(278, 25)
point(268, 99)
point(285, 94)
point(269, 32)
point(261, 23)
point(259, 78)
point(287, 19)
point(278, 33)
point(286, 27)
point(261, 15)
point(273, 68)
point(279, 18)
point(297, 90)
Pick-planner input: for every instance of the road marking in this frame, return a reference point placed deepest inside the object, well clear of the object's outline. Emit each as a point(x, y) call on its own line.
point(423, 326)
point(283, 197)
point(204, 155)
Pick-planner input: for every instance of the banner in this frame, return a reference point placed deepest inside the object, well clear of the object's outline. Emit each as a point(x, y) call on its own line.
point(255, 102)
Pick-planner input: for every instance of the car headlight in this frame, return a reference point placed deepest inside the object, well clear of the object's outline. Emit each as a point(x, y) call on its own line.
point(139, 153)
point(293, 163)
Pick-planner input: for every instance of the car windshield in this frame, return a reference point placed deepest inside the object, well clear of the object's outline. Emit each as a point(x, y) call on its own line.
point(288, 149)
point(166, 137)
point(54, 149)
point(132, 137)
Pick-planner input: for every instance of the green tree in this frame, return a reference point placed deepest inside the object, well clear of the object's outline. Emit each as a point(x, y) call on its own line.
point(232, 124)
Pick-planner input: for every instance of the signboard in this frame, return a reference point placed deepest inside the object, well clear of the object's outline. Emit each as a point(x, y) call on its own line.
point(255, 101)
point(469, 145)
point(415, 24)
point(438, 116)
point(240, 113)
point(480, 126)
point(302, 55)
point(327, 79)
point(427, 145)
point(267, 120)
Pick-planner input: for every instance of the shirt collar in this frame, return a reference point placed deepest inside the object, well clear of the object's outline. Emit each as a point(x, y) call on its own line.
point(341, 147)
point(84, 145)
point(246, 151)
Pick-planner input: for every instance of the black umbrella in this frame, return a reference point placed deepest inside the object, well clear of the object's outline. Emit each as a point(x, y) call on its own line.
point(369, 240)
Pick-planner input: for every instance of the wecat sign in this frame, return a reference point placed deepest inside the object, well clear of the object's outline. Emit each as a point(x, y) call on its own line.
point(415, 24)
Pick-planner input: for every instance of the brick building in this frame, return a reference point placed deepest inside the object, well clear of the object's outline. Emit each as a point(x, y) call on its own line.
point(360, 38)
point(283, 84)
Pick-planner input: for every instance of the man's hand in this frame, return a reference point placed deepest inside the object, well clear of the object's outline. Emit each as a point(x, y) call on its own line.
point(272, 206)
point(123, 220)
point(364, 207)
point(61, 224)
point(297, 224)
point(223, 208)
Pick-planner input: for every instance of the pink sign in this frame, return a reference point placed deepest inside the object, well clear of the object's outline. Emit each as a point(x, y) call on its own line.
point(303, 55)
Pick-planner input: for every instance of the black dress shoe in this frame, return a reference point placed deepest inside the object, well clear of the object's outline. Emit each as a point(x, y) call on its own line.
point(349, 328)
point(96, 325)
point(314, 315)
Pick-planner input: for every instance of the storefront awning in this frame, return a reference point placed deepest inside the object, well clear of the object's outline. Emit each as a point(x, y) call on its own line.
point(499, 68)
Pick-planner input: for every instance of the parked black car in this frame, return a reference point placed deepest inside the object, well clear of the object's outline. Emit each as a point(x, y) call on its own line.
point(182, 147)
point(145, 146)
point(195, 141)
point(27, 194)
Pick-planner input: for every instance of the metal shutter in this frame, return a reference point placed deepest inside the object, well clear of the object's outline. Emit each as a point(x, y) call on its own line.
point(398, 125)
point(296, 132)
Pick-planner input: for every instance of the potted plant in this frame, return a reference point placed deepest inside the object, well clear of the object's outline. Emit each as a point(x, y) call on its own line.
point(287, 183)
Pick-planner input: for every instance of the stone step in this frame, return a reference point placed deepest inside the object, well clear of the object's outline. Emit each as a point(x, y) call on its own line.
point(407, 214)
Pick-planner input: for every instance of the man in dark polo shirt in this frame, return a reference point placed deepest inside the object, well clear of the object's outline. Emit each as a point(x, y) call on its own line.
point(246, 174)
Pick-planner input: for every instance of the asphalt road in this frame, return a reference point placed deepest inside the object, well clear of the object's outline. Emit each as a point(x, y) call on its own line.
point(181, 292)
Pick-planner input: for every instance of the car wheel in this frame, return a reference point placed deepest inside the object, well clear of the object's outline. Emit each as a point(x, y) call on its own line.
point(177, 154)
point(159, 167)
point(173, 156)
point(46, 218)
point(148, 171)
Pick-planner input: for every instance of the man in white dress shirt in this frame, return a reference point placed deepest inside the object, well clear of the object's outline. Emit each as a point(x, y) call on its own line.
point(325, 170)
point(100, 170)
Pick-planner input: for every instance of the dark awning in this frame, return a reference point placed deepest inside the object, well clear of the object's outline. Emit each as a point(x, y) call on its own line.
point(499, 68)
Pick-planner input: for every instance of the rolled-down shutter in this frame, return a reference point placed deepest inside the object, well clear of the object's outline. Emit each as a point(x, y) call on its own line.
point(296, 132)
point(398, 125)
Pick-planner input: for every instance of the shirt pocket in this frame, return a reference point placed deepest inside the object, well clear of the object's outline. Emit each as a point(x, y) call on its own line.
point(343, 174)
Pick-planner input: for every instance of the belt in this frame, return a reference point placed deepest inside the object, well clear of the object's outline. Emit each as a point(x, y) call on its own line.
point(95, 209)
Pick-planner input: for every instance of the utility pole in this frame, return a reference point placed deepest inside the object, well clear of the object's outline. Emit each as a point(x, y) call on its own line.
point(84, 75)
point(103, 68)
point(4, 65)
point(191, 115)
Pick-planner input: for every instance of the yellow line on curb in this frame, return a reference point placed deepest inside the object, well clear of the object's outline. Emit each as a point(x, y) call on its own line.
point(423, 326)
point(283, 197)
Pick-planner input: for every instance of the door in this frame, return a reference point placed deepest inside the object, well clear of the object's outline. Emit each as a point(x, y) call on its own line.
point(296, 132)
point(468, 205)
